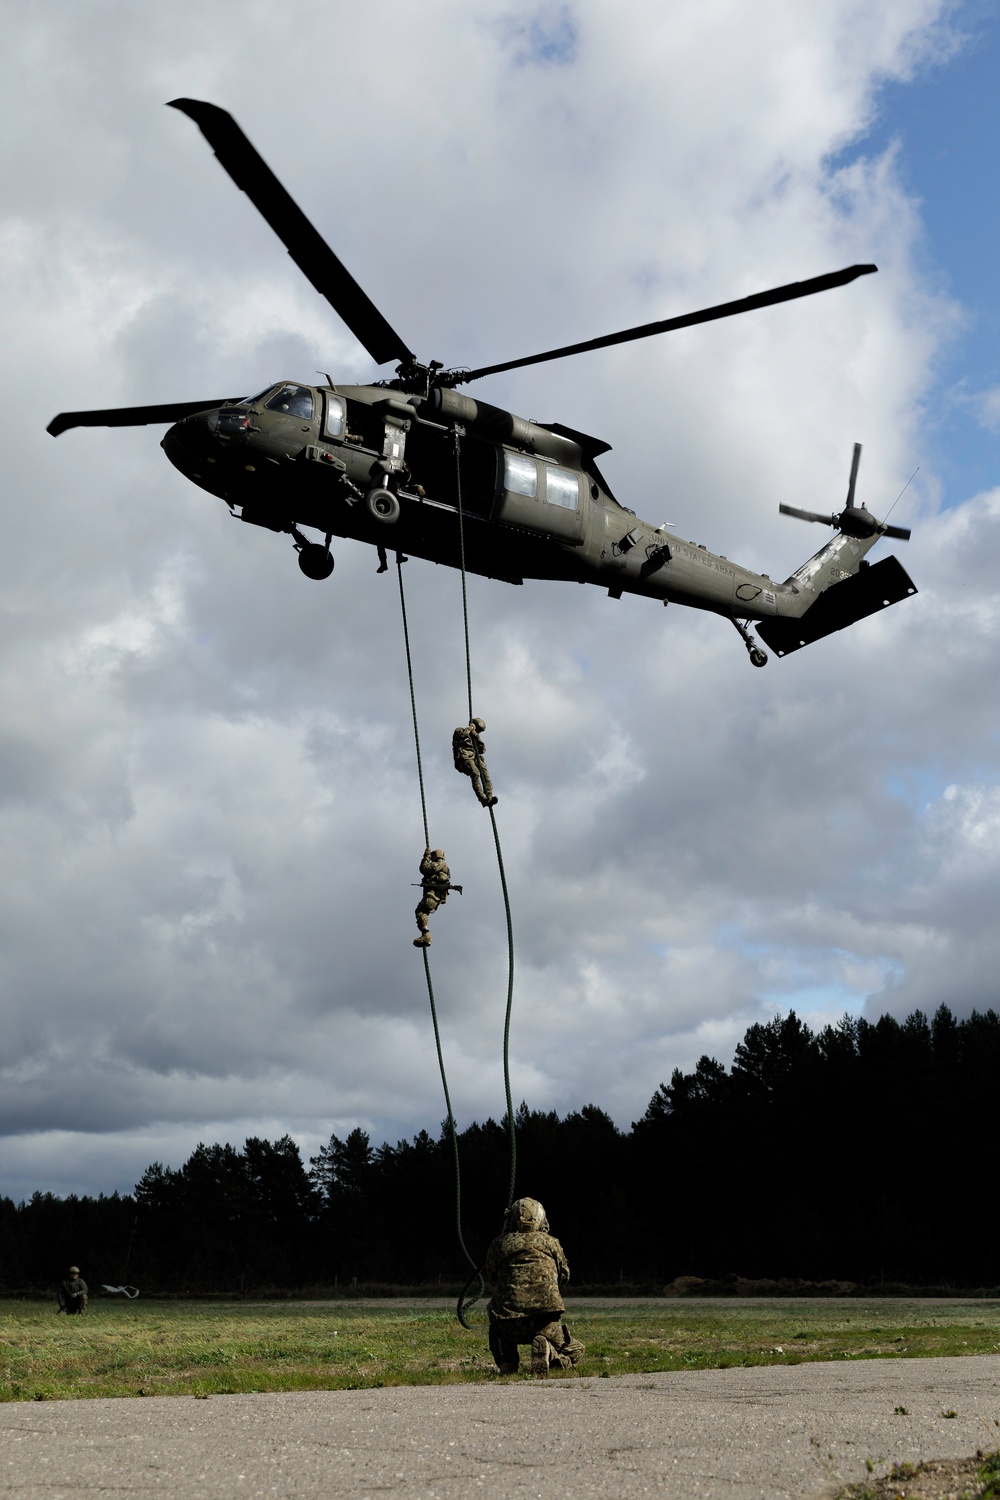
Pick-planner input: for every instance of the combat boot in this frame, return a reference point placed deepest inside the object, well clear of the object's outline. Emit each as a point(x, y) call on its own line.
point(541, 1354)
point(424, 941)
point(572, 1350)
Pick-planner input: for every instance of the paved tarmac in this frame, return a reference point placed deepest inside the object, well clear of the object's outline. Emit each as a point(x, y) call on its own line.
point(776, 1431)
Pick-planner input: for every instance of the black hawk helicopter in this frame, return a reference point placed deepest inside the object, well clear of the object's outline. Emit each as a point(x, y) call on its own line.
point(389, 463)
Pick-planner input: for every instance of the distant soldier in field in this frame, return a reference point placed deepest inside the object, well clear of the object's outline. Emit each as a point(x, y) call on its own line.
point(435, 878)
point(528, 1271)
point(72, 1293)
point(469, 754)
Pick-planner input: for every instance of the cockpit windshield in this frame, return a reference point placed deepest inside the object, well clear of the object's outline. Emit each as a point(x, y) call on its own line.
point(252, 400)
point(296, 400)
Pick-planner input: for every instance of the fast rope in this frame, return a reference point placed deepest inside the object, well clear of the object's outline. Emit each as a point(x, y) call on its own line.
point(452, 1128)
point(511, 1130)
point(464, 1300)
point(476, 1279)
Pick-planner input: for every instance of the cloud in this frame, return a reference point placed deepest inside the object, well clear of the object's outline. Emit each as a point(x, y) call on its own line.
point(988, 409)
point(207, 785)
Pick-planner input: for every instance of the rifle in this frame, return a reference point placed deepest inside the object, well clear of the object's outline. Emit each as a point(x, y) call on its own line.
point(429, 887)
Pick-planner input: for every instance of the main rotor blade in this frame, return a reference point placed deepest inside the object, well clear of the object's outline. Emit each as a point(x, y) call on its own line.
point(304, 244)
point(132, 416)
point(706, 315)
point(807, 515)
point(854, 475)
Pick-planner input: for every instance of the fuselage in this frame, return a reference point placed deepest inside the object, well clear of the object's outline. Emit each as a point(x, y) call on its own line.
point(534, 503)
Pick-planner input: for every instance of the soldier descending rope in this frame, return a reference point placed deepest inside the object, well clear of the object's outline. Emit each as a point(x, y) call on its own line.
point(469, 752)
point(436, 883)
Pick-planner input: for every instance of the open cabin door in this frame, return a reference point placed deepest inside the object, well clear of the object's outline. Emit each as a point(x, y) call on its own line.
point(430, 457)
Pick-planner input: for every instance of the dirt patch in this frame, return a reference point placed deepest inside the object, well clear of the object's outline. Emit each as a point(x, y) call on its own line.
point(934, 1479)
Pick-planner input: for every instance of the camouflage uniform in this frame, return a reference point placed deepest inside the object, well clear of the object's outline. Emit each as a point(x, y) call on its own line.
point(73, 1293)
point(468, 751)
point(528, 1270)
point(436, 880)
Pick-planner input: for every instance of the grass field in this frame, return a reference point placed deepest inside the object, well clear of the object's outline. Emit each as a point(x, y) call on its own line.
point(202, 1349)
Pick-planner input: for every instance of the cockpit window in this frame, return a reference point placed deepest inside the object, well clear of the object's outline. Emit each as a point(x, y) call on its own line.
point(336, 416)
point(252, 400)
point(562, 487)
point(296, 400)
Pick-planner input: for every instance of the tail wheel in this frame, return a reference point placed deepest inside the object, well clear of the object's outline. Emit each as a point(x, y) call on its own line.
point(383, 506)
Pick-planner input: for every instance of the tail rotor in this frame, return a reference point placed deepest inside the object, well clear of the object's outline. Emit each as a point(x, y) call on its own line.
point(855, 460)
point(853, 520)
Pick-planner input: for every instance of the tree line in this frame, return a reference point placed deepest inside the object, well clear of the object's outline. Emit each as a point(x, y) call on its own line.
point(862, 1152)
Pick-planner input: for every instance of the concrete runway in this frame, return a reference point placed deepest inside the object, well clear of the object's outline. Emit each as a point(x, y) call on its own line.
point(782, 1430)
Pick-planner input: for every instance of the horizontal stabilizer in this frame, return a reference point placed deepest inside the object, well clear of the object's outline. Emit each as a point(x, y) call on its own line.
point(843, 604)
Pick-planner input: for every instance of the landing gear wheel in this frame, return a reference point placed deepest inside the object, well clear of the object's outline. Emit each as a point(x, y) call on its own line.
point(758, 658)
point(383, 506)
point(315, 561)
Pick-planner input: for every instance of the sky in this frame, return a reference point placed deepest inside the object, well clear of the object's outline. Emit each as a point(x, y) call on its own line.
point(208, 799)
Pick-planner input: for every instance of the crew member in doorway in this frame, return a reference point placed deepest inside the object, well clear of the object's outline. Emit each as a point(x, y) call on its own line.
point(469, 753)
point(528, 1271)
point(72, 1293)
point(435, 878)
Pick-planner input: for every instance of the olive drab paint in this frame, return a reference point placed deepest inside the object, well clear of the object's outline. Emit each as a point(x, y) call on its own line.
point(380, 464)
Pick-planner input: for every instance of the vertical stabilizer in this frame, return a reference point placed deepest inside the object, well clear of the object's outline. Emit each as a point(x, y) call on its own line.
point(840, 604)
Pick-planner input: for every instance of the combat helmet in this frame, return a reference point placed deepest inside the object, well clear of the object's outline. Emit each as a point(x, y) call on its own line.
point(526, 1214)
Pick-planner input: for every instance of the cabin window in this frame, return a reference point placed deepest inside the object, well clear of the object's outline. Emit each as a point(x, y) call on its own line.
point(335, 416)
point(562, 487)
point(296, 400)
point(520, 475)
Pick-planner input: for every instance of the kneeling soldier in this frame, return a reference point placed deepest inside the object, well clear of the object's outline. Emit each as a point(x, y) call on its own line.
point(528, 1270)
point(73, 1293)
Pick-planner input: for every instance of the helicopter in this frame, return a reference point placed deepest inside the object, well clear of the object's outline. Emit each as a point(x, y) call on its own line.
point(412, 462)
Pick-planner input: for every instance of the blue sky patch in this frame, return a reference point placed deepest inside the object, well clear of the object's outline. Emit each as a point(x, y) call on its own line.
point(549, 38)
point(947, 125)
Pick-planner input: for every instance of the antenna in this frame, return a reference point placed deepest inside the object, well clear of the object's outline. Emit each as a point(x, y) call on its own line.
point(902, 492)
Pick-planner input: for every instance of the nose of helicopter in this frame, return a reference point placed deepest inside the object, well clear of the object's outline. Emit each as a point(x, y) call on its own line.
point(193, 442)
